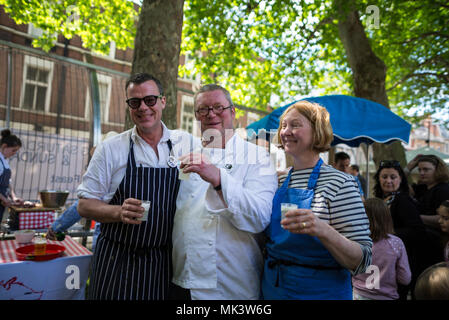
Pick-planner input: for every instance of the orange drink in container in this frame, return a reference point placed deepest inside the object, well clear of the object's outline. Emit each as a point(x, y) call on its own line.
point(40, 246)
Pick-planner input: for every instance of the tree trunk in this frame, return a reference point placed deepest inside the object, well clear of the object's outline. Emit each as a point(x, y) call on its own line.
point(156, 50)
point(369, 72)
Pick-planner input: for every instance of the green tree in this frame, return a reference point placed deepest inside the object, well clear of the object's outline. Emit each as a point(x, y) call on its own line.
point(285, 48)
point(399, 58)
point(156, 49)
point(288, 47)
point(97, 22)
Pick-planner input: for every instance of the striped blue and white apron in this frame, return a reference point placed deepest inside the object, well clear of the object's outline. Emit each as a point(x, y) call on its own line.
point(4, 186)
point(134, 262)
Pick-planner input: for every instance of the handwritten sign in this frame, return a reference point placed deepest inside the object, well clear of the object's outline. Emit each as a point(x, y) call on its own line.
point(48, 161)
point(19, 290)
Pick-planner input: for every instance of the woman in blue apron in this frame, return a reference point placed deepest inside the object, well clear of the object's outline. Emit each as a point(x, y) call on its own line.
point(9, 145)
point(312, 252)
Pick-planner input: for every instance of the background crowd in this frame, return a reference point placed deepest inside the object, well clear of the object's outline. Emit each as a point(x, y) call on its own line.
point(419, 219)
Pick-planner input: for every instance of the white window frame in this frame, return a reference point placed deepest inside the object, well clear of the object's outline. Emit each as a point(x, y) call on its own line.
point(112, 48)
point(111, 54)
point(195, 78)
point(34, 32)
point(104, 109)
point(184, 100)
point(42, 64)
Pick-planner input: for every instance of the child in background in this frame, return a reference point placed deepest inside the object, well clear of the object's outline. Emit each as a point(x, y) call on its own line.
point(389, 258)
point(433, 283)
point(443, 212)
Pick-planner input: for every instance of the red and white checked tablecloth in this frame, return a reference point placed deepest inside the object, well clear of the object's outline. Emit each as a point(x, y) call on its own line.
point(72, 249)
point(36, 220)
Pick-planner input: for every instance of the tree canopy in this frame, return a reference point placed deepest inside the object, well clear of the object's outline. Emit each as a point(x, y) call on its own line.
point(97, 22)
point(262, 49)
point(288, 48)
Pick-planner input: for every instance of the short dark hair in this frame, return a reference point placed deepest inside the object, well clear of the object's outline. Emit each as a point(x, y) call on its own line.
point(355, 167)
point(140, 78)
point(341, 156)
point(10, 139)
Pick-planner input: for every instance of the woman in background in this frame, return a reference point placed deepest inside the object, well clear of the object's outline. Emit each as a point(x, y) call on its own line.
point(391, 186)
point(430, 191)
point(9, 145)
point(389, 256)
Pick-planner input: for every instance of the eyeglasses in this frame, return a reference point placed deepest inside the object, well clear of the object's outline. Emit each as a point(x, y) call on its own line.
point(389, 163)
point(150, 101)
point(204, 111)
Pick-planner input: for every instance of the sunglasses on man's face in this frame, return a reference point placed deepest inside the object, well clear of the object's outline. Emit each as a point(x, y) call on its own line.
point(389, 164)
point(150, 101)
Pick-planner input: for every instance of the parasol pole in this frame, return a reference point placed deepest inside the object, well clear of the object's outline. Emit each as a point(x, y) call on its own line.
point(367, 171)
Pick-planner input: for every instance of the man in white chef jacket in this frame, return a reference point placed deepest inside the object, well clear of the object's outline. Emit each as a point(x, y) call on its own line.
point(222, 208)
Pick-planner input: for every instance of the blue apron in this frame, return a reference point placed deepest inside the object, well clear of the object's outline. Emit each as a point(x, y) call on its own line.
point(4, 186)
point(298, 266)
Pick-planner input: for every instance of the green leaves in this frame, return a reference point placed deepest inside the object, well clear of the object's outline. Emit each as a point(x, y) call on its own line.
point(96, 22)
point(273, 51)
point(264, 49)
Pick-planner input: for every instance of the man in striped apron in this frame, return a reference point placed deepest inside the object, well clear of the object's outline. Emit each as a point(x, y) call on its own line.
point(132, 259)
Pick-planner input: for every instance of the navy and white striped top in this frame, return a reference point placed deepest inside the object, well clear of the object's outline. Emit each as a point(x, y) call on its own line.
point(337, 201)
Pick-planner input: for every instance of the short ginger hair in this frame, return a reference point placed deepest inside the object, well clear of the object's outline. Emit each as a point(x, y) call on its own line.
point(319, 119)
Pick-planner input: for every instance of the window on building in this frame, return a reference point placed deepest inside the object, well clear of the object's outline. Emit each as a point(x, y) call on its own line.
point(104, 88)
point(112, 50)
point(37, 84)
point(189, 64)
point(34, 32)
point(188, 121)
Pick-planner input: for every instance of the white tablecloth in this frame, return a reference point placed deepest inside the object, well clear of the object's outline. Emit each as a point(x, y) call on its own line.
point(63, 278)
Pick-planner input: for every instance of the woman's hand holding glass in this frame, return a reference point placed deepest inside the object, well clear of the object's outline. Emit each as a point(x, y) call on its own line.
point(303, 221)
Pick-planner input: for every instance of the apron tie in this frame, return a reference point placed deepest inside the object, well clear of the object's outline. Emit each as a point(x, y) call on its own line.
point(277, 262)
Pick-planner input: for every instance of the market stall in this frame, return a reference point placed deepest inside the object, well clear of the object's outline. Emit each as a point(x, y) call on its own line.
point(60, 278)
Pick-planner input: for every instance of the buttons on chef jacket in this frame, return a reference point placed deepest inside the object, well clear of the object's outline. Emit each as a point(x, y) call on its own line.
point(211, 242)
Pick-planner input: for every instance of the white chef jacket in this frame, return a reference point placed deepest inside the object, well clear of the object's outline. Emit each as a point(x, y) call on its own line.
point(108, 164)
point(216, 252)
